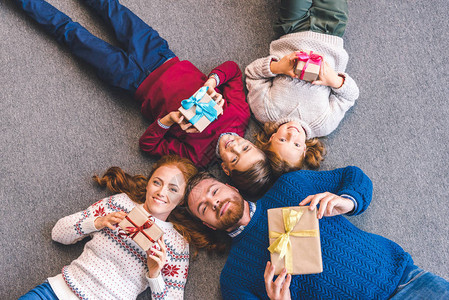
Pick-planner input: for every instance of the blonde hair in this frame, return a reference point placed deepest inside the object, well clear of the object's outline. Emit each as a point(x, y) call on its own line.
point(313, 157)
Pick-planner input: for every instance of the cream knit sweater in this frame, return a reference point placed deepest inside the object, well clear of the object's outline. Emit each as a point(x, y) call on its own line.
point(281, 98)
point(112, 265)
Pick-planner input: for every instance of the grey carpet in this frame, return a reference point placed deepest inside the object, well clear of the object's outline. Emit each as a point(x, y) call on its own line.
point(60, 124)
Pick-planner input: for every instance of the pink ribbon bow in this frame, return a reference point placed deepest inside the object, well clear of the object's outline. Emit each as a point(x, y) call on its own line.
point(314, 59)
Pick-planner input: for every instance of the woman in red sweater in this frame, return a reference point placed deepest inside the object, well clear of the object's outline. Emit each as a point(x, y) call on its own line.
point(147, 68)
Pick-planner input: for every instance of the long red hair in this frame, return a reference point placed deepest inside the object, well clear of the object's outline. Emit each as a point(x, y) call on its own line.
point(118, 181)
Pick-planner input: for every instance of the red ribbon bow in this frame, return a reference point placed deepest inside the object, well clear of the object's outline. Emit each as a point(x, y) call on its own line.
point(133, 231)
point(312, 58)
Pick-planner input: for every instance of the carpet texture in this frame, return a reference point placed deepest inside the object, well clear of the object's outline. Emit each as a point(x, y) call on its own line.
point(60, 124)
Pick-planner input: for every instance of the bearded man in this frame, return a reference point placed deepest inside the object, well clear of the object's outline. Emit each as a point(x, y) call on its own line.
point(356, 264)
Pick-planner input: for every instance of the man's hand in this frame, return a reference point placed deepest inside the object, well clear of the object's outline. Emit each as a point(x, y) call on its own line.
point(176, 117)
point(330, 204)
point(285, 65)
point(280, 288)
point(329, 77)
point(217, 97)
point(109, 220)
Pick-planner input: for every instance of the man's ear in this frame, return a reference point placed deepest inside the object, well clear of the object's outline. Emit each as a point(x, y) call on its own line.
point(225, 169)
point(210, 226)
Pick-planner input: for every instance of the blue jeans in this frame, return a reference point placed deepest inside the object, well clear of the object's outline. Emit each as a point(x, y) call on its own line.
point(40, 292)
point(142, 49)
point(419, 284)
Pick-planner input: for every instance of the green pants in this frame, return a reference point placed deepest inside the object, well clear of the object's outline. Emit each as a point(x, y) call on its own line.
point(323, 16)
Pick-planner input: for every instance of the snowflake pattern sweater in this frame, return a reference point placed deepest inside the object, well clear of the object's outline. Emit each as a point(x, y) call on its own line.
point(357, 264)
point(281, 98)
point(112, 265)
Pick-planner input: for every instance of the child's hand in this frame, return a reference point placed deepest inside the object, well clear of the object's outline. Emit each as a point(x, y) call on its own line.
point(328, 77)
point(156, 259)
point(109, 220)
point(280, 288)
point(217, 97)
point(285, 65)
point(176, 117)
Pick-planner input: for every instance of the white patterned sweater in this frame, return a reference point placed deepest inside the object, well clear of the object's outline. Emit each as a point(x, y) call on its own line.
point(112, 265)
point(281, 98)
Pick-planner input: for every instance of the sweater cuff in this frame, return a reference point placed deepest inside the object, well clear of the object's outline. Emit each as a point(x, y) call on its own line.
point(266, 68)
point(216, 77)
point(346, 196)
point(220, 75)
point(157, 285)
point(88, 225)
point(162, 125)
point(349, 90)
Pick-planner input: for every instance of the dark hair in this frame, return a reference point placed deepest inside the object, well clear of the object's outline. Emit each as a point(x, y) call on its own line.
point(193, 182)
point(256, 180)
point(314, 154)
point(117, 181)
point(207, 238)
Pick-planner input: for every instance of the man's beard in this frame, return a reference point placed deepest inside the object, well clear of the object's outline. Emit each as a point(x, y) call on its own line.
point(232, 215)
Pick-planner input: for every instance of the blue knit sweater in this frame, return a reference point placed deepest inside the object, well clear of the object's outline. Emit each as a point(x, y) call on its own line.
point(357, 264)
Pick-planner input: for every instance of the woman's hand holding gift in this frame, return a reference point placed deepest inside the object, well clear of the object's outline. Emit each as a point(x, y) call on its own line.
point(109, 220)
point(329, 77)
point(156, 259)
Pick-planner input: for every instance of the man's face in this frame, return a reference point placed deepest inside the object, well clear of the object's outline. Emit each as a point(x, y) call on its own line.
point(218, 205)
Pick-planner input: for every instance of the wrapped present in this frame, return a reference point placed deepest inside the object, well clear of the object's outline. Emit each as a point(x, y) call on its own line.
point(140, 226)
point(200, 109)
point(308, 65)
point(294, 240)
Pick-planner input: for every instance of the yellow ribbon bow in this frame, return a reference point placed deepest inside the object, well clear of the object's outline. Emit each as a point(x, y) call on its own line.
point(282, 244)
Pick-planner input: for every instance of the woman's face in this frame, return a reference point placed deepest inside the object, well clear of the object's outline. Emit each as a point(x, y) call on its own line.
point(165, 190)
point(289, 143)
point(238, 153)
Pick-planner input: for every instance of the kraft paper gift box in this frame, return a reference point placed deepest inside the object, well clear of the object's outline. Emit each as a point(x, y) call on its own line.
point(139, 225)
point(308, 65)
point(200, 109)
point(294, 240)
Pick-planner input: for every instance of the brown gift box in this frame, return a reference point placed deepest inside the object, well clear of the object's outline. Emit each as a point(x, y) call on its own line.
point(203, 122)
point(312, 71)
point(305, 250)
point(144, 237)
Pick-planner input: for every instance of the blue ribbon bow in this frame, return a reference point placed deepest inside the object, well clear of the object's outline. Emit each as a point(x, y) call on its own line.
point(202, 109)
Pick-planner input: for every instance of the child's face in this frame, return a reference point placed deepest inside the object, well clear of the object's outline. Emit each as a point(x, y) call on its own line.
point(289, 143)
point(238, 153)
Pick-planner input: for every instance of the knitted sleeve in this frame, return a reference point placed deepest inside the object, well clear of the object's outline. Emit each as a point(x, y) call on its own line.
point(77, 226)
point(171, 282)
point(231, 84)
point(156, 141)
point(349, 181)
point(340, 101)
point(259, 80)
